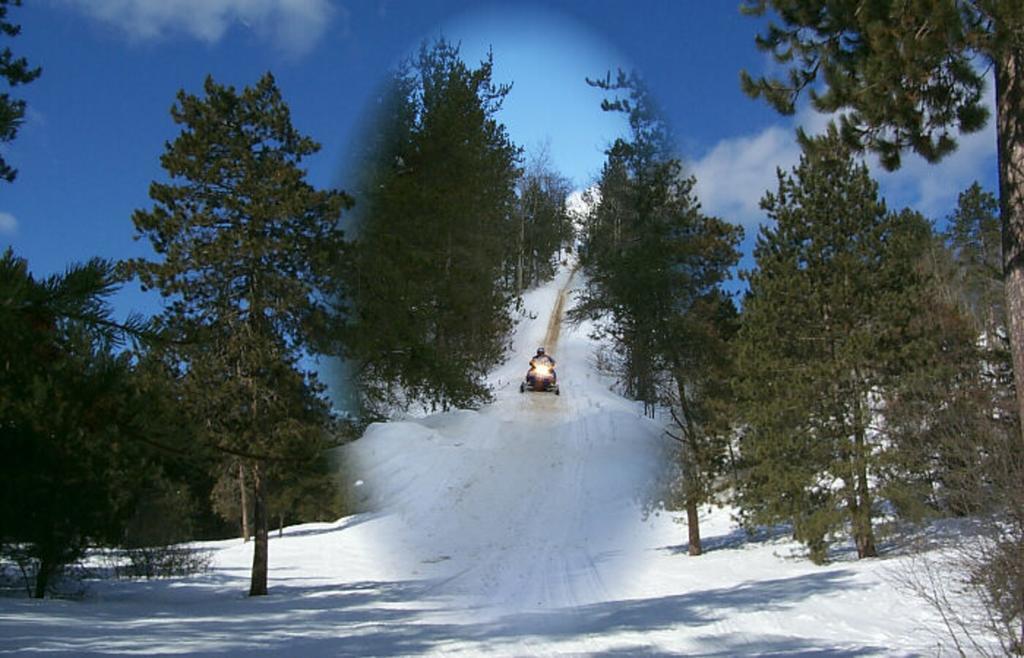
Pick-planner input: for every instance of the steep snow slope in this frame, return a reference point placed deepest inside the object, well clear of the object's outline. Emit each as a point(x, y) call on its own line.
point(519, 529)
point(533, 502)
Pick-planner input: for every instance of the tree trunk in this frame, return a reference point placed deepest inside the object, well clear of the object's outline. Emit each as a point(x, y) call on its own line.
point(693, 525)
point(1010, 138)
point(1009, 65)
point(258, 586)
point(43, 577)
point(245, 503)
point(863, 532)
point(519, 261)
point(689, 462)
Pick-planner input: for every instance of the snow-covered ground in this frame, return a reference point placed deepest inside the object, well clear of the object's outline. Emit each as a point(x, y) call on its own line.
point(525, 528)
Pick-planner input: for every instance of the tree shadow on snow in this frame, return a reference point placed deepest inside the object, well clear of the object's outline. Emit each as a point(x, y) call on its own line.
point(690, 609)
point(751, 646)
point(398, 618)
point(736, 538)
point(693, 609)
point(292, 620)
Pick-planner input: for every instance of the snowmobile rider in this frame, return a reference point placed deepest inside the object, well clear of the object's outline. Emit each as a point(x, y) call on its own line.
point(542, 358)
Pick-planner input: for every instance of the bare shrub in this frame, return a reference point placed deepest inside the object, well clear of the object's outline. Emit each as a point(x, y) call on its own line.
point(161, 562)
point(975, 581)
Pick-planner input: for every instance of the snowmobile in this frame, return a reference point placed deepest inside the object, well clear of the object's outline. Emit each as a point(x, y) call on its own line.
point(540, 379)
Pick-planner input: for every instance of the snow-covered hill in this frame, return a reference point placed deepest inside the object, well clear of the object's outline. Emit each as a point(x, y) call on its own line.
point(525, 528)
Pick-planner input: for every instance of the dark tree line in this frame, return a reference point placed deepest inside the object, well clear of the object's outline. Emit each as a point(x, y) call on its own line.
point(66, 404)
point(542, 226)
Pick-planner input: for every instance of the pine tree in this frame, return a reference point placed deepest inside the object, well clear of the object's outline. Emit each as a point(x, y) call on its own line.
point(973, 237)
point(428, 313)
point(17, 72)
point(952, 422)
point(904, 76)
point(244, 244)
point(943, 416)
point(629, 235)
point(826, 327)
point(72, 418)
point(701, 403)
point(655, 264)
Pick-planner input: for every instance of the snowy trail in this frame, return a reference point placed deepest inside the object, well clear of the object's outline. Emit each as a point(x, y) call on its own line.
point(519, 530)
point(538, 491)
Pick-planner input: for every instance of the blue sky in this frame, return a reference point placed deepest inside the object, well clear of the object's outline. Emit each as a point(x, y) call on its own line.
point(98, 117)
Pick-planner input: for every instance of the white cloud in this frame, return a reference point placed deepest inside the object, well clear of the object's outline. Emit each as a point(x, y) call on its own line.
point(734, 174)
point(294, 26)
point(8, 224)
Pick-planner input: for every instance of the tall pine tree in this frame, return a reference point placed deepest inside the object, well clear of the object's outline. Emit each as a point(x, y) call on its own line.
point(656, 265)
point(826, 328)
point(428, 313)
point(905, 76)
point(244, 244)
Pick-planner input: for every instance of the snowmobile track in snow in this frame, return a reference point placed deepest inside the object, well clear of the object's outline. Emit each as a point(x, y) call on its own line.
point(555, 321)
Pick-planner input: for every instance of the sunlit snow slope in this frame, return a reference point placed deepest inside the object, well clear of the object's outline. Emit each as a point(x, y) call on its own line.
point(534, 501)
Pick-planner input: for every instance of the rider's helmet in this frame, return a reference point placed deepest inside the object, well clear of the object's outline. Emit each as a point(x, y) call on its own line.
point(540, 351)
